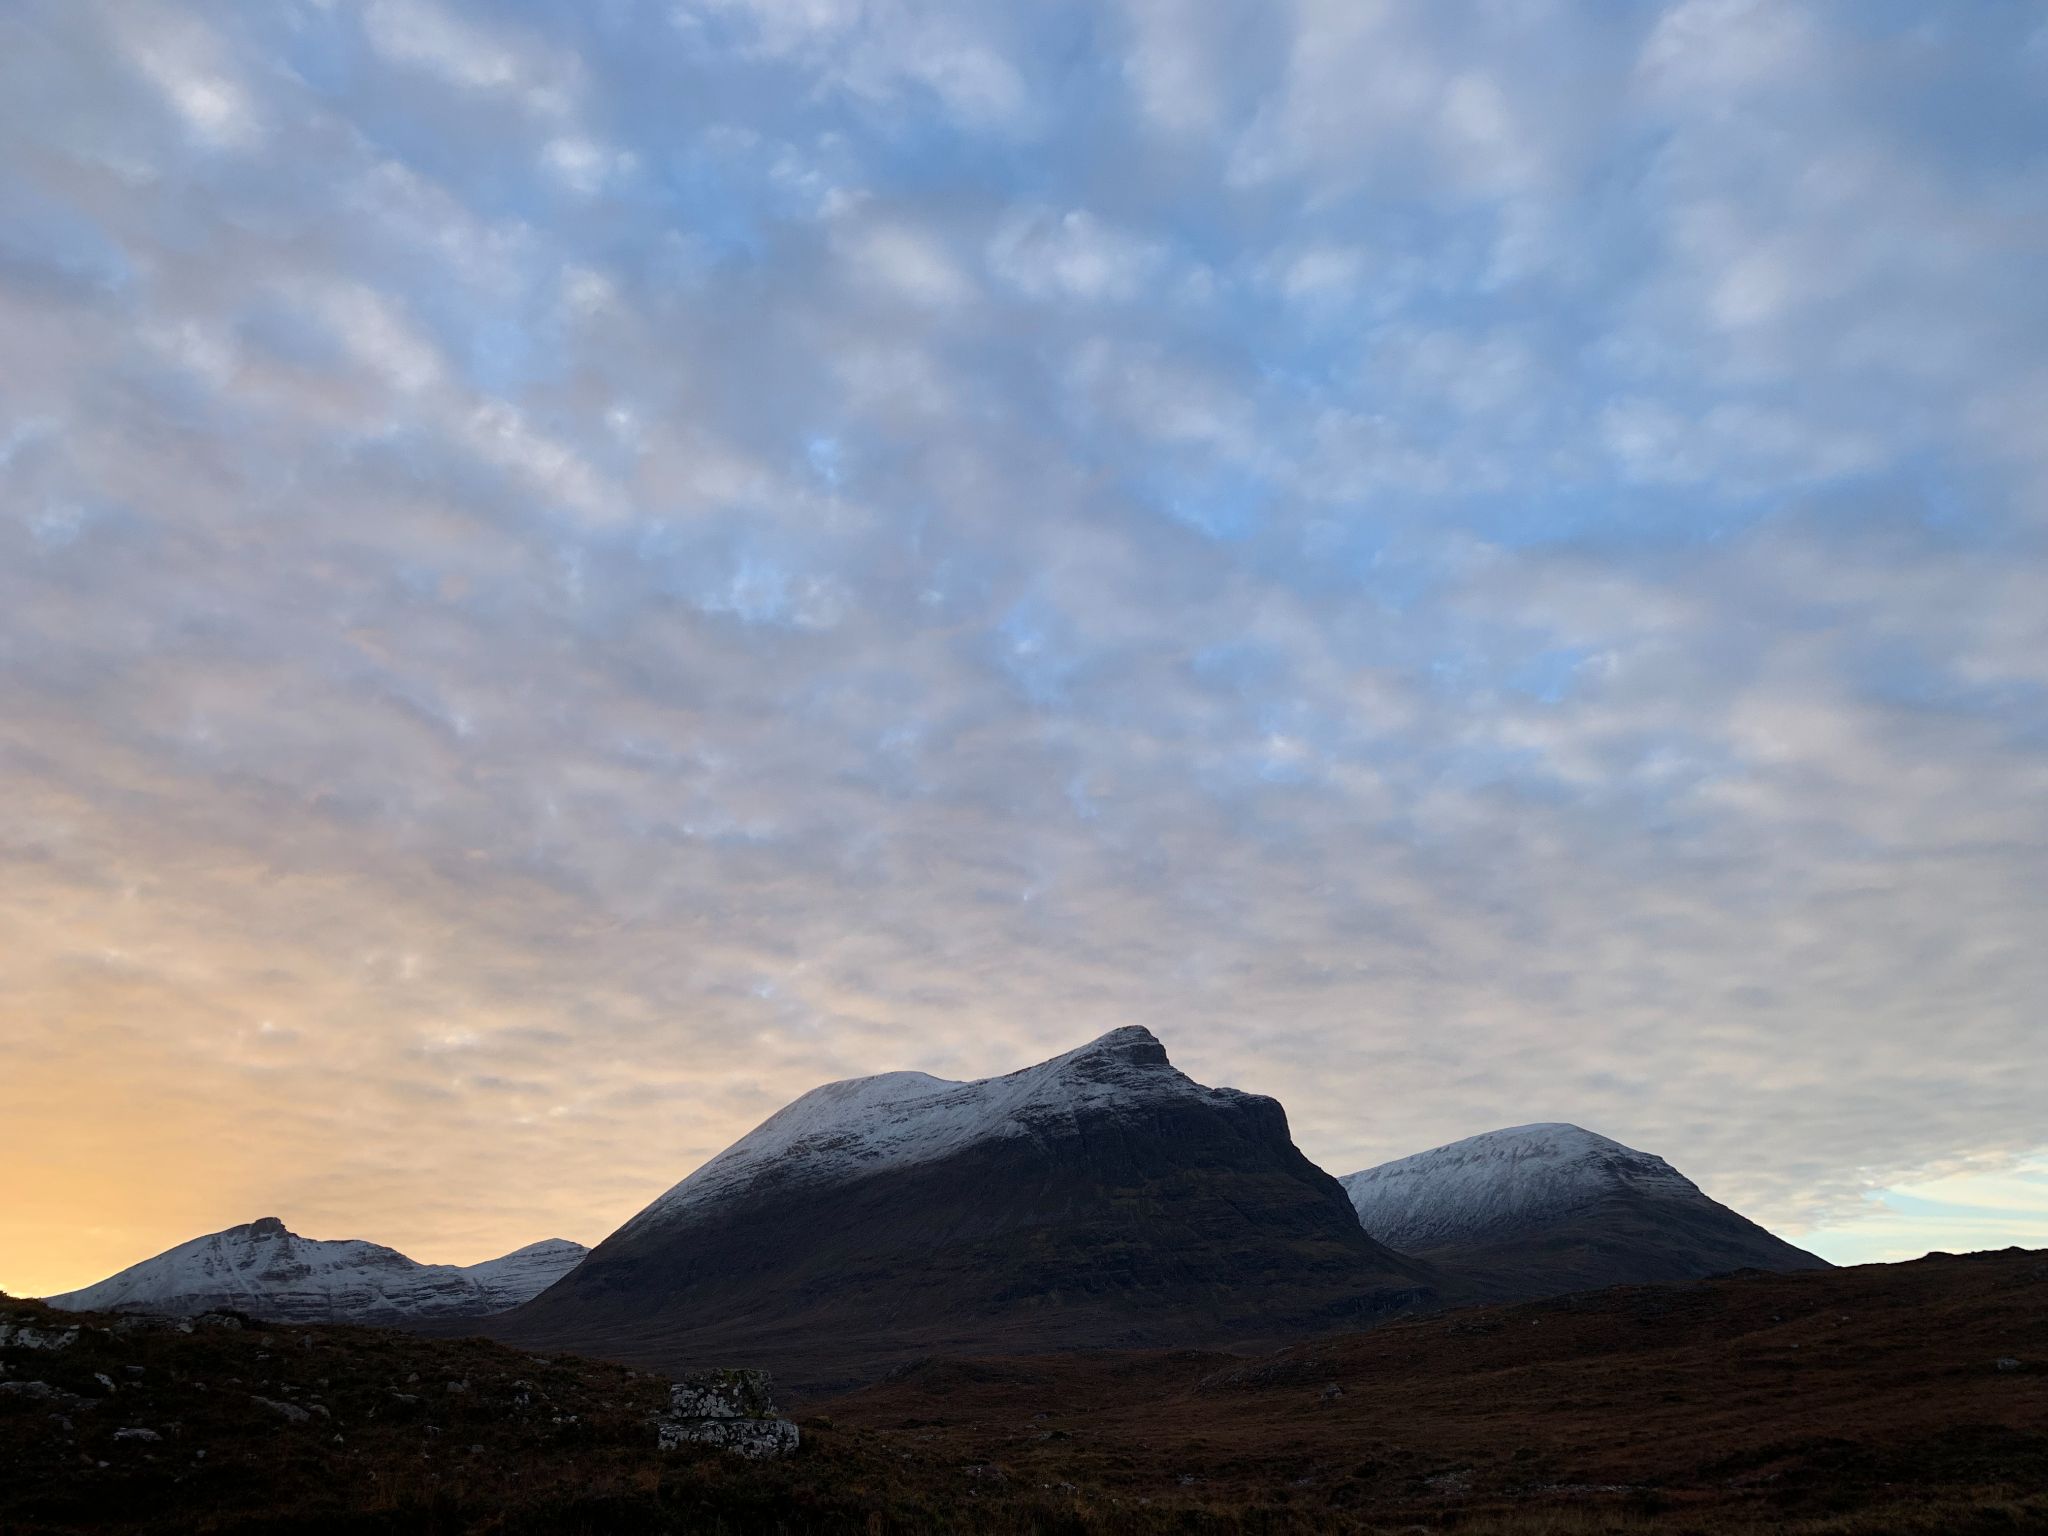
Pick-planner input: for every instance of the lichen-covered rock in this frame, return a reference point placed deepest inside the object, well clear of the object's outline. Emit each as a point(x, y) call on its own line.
point(757, 1439)
point(732, 1410)
point(725, 1394)
point(28, 1336)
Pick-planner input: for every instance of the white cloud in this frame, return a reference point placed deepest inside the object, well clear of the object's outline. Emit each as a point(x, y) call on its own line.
point(584, 165)
point(1468, 549)
point(472, 55)
point(907, 262)
point(374, 332)
point(1174, 66)
point(882, 53)
point(187, 63)
point(1072, 255)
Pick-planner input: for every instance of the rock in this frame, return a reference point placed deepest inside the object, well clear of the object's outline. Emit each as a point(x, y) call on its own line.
point(291, 1411)
point(722, 1395)
point(2008, 1363)
point(729, 1410)
point(133, 1433)
point(755, 1439)
point(28, 1336)
point(147, 1322)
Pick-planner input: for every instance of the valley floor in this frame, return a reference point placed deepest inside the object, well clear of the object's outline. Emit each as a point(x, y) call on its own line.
point(1835, 1404)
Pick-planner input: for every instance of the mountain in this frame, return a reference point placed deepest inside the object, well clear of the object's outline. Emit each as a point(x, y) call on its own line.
point(266, 1271)
point(1098, 1199)
point(1538, 1210)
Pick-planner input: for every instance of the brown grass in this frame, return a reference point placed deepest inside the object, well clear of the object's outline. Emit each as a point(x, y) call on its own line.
point(1665, 1409)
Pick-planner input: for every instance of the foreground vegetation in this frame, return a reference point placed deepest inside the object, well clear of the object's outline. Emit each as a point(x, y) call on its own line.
point(1908, 1398)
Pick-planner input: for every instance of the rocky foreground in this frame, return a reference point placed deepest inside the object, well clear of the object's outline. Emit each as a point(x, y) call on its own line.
point(1908, 1397)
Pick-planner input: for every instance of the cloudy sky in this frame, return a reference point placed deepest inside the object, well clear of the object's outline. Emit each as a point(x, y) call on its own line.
point(571, 571)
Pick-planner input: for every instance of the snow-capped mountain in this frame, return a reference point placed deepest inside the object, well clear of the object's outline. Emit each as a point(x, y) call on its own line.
point(1099, 1198)
point(1536, 1209)
point(269, 1272)
point(1502, 1180)
point(866, 1125)
point(522, 1274)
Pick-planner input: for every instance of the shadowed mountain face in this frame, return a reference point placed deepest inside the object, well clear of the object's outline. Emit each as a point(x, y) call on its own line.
point(1540, 1210)
point(1099, 1199)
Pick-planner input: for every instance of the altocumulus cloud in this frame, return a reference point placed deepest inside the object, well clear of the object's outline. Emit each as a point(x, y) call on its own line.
point(569, 572)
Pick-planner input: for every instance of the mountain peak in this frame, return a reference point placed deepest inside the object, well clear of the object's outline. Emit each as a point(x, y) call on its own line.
point(1539, 1209)
point(267, 1270)
point(1133, 1043)
point(848, 1130)
point(1097, 1199)
point(1520, 1173)
point(1558, 1133)
point(1504, 1178)
point(1128, 1055)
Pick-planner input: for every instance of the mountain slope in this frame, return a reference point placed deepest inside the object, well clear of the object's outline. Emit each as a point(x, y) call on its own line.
point(266, 1271)
point(1100, 1198)
point(1538, 1210)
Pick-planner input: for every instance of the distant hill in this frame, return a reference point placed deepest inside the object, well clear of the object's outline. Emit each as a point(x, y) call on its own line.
point(1540, 1210)
point(266, 1271)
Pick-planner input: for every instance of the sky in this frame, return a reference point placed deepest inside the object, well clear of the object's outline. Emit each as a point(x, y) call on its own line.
point(569, 572)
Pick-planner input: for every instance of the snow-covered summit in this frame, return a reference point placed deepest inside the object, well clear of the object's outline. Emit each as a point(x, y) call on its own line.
point(268, 1271)
point(846, 1130)
point(524, 1273)
point(1499, 1182)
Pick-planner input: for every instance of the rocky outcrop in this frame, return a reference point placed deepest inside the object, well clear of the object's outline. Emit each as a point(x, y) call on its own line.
point(728, 1410)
